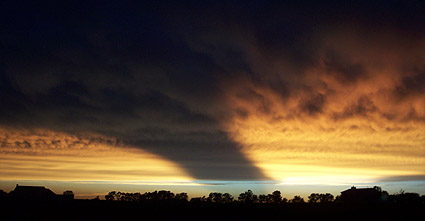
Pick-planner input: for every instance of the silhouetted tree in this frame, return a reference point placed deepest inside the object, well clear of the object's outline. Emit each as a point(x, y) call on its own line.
point(129, 197)
point(156, 195)
point(165, 195)
point(275, 197)
point(314, 198)
point(338, 199)
point(215, 198)
point(121, 196)
point(227, 198)
point(406, 198)
point(326, 198)
point(68, 195)
point(297, 199)
point(198, 200)
point(320, 198)
point(182, 196)
point(262, 198)
point(111, 196)
point(248, 197)
point(149, 196)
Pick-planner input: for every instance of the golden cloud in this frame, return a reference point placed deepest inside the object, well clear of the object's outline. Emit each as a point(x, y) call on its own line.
point(357, 113)
point(41, 154)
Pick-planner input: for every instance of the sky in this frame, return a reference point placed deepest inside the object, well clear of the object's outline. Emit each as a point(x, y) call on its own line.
point(207, 96)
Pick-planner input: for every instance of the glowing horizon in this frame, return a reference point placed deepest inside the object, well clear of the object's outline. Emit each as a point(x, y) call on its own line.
point(44, 154)
point(206, 97)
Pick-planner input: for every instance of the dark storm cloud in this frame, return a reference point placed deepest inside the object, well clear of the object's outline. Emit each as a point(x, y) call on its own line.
point(194, 150)
point(149, 119)
point(411, 85)
point(151, 74)
point(362, 108)
point(262, 103)
point(342, 69)
point(314, 104)
point(242, 112)
point(403, 178)
point(66, 93)
point(122, 74)
point(412, 115)
point(12, 100)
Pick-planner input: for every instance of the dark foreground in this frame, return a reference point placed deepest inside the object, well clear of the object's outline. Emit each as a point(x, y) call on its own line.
point(115, 210)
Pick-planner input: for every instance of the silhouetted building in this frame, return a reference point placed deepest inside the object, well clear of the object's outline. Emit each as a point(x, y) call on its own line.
point(32, 193)
point(361, 195)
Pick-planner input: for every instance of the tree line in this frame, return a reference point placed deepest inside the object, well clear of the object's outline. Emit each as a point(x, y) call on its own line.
point(248, 197)
point(213, 197)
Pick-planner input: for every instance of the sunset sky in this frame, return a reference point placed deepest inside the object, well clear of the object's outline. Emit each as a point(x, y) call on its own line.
point(211, 96)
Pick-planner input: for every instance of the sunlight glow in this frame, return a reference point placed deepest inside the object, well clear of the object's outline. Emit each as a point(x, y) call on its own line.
point(48, 155)
point(348, 139)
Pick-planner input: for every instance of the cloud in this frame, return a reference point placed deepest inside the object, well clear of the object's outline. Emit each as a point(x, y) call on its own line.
point(403, 178)
point(162, 98)
point(186, 81)
point(41, 154)
point(362, 108)
point(411, 85)
point(343, 70)
point(314, 105)
point(150, 120)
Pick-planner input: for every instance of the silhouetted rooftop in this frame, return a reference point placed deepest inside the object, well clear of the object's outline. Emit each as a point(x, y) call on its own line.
point(358, 190)
point(32, 192)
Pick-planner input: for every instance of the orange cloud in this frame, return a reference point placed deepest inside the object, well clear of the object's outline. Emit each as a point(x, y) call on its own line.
point(357, 113)
point(48, 155)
